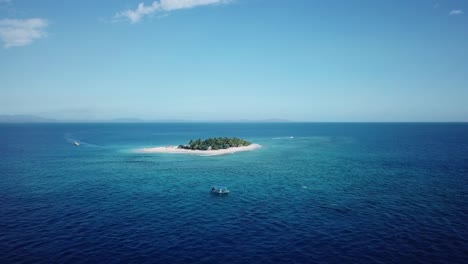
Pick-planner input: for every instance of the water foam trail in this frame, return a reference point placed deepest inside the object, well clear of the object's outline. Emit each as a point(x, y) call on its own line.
point(291, 137)
point(69, 138)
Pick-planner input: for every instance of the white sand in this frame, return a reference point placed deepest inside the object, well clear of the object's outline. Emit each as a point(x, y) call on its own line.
point(175, 149)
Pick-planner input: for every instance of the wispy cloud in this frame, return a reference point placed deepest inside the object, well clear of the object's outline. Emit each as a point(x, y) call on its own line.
point(5, 1)
point(134, 16)
point(21, 32)
point(456, 12)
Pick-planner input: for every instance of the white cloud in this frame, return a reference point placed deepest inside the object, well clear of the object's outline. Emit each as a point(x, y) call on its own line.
point(21, 32)
point(456, 12)
point(142, 10)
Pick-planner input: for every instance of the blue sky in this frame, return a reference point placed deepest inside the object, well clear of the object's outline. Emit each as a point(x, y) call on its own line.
point(367, 60)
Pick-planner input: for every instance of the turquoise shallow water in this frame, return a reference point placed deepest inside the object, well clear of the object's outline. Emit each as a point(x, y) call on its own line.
point(332, 193)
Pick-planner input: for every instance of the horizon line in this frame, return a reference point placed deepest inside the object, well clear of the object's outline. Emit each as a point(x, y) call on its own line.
point(224, 122)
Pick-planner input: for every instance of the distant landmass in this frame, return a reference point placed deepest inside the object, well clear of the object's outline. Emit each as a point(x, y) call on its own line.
point(270, 120)
point(276, 120)
point(24, 119)
point(38, 119)
point(127, 120)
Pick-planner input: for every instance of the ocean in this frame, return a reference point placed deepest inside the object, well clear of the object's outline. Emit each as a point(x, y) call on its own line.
point(314, 193)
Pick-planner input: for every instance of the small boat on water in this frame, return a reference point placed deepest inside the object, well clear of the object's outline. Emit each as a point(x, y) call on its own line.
point(219, 190)
point(76, 143)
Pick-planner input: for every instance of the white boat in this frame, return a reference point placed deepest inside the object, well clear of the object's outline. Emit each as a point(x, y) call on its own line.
point(76, 143)
point(219, 190)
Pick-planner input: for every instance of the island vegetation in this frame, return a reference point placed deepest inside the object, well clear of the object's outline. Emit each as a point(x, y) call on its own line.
point(215, 143)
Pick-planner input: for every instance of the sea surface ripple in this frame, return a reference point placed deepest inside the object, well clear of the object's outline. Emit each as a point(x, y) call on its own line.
point(314, 193)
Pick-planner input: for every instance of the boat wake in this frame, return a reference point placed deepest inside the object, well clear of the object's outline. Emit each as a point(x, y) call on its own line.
point(291, 137)
point(77, 142)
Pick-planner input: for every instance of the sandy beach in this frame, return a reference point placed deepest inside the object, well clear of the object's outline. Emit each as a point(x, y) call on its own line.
point(176, 150)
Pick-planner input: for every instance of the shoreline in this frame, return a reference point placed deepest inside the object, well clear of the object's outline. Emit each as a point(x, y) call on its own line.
point(176, 150)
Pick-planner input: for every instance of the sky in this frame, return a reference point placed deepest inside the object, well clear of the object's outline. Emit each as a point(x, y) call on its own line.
point(228, 60)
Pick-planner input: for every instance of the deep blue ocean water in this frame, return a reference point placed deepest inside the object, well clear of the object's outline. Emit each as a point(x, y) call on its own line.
point(333, 193)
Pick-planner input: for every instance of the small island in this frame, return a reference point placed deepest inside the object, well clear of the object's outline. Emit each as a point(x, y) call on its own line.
point(215, 143)
point(207, 147)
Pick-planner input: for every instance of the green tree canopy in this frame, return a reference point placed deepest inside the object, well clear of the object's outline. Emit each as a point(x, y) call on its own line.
point(215, 143)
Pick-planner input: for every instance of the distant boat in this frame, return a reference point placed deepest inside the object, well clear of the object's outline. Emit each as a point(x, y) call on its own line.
point(76, 143)
point(219, 190)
